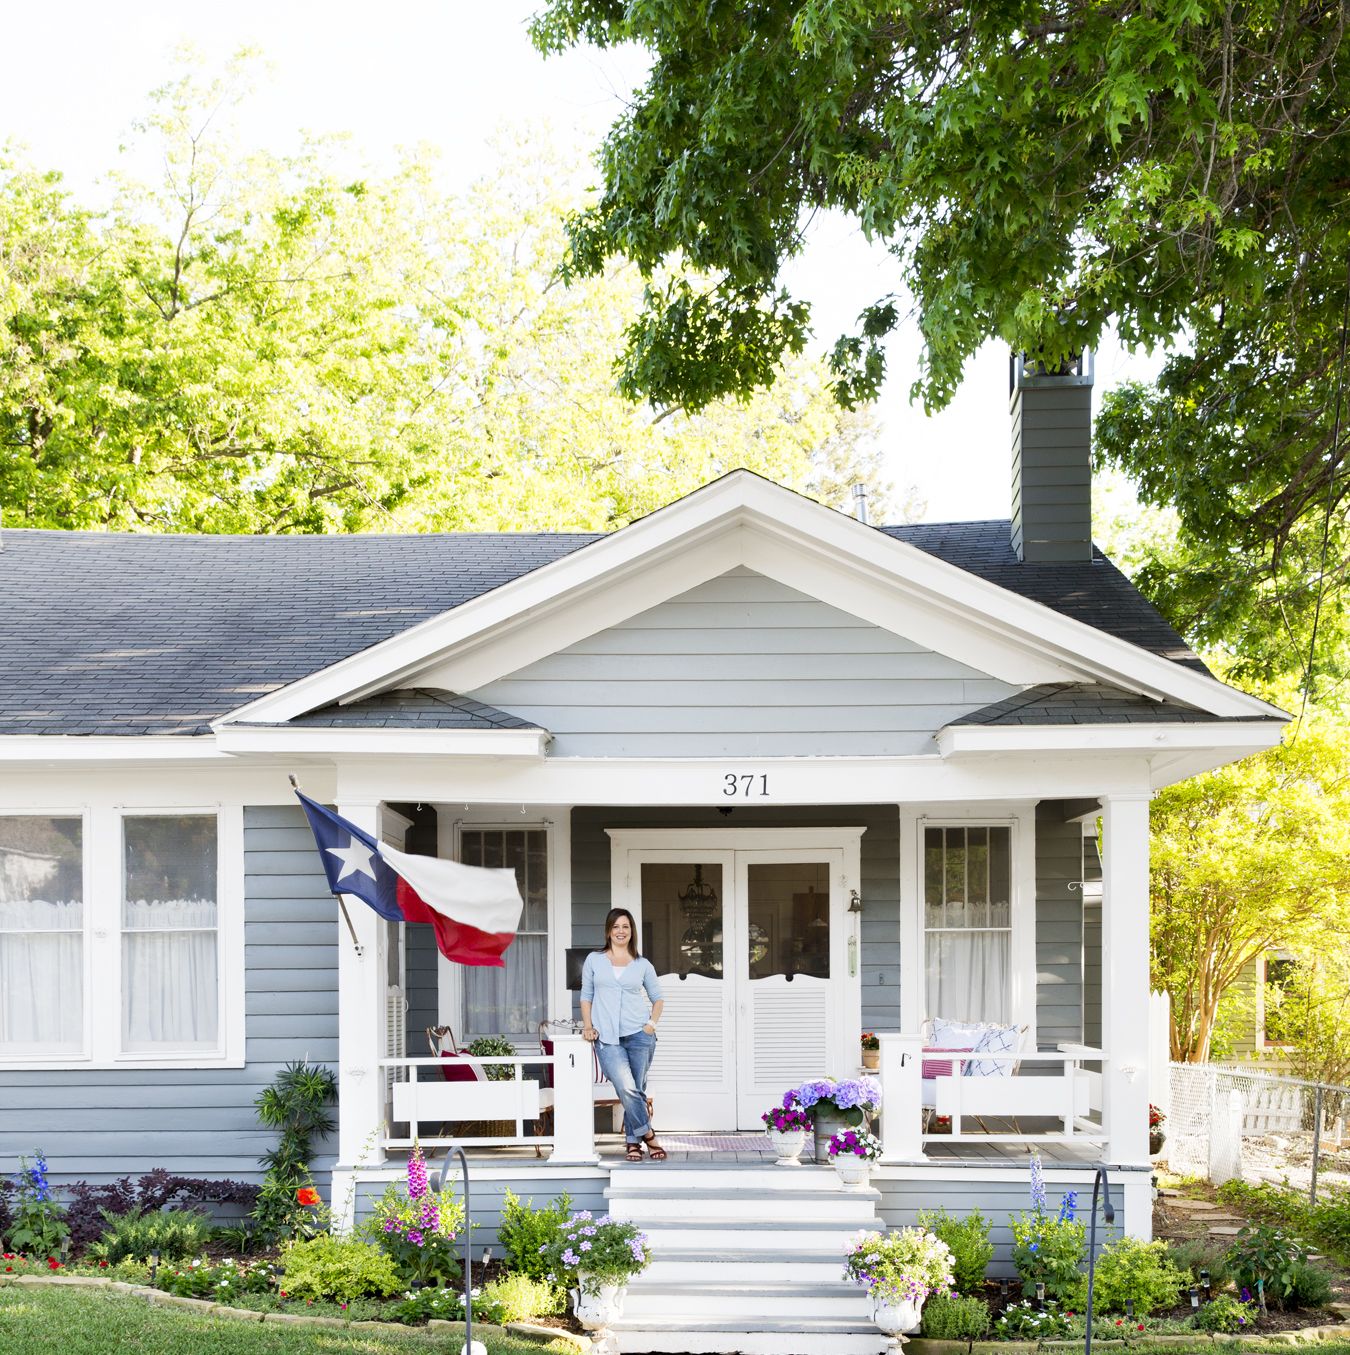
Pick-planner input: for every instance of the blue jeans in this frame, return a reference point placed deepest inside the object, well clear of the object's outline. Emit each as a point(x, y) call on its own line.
point(625, 1065)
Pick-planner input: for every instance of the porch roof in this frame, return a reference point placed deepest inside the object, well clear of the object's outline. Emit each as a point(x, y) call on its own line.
point(410, 707)
point(1078, 703)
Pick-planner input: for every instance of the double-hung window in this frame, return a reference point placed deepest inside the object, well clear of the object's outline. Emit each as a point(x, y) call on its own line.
point(513, 1000)
point(967, 881)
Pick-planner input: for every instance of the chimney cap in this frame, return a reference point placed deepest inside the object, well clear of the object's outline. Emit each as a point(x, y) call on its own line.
point(1025, 371)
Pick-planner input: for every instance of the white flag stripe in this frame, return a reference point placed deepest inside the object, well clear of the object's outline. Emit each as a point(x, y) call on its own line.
point(473, 895)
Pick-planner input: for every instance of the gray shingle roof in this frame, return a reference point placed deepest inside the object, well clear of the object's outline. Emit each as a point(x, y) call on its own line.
point(1083, 703)
point(105, 633)
point(411, 707)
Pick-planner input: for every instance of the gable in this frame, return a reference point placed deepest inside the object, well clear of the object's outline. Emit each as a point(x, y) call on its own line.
point(743, 665)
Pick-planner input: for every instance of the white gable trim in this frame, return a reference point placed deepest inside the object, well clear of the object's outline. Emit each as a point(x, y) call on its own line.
point(743, 519)
point(384, 741)
point(1239, 736)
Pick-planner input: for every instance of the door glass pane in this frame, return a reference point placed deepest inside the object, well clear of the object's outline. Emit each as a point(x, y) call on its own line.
point(789, 919)
point(682, 918)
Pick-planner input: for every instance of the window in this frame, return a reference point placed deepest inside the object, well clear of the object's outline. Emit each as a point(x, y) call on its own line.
point(511, 1001)
point(968, 923)
point(170, 950)
point(41, 934)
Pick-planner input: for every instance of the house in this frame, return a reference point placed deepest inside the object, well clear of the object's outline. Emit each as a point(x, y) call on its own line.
point(840, 772)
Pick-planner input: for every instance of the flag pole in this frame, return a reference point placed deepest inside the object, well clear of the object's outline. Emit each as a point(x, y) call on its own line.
point(346, 917)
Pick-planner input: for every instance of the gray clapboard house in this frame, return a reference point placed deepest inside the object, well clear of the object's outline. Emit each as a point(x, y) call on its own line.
point(843, 774)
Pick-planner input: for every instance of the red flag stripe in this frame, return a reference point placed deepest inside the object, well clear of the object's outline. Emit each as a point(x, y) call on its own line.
point(456, 941)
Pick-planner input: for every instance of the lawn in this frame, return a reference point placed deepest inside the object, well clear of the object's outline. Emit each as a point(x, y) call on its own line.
point(36, 1320)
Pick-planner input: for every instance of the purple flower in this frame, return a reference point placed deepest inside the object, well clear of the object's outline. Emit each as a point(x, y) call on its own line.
point(585, 1246)
point(1037, 1183)
point(570, 1258)
point(389, 1225)
point(417, 1175)
point(415, 1238)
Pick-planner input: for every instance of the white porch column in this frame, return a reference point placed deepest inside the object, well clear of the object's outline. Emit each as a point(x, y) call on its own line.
point(1125, 983)
point(573, 1101)
point(900, 1069)
point(361, 1019)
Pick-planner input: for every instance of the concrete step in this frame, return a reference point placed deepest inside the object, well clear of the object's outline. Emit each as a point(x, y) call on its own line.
point(768, 1336)
point(855, 1207)
point(730, 1235)
point(670, 1266)
point(733, 1176)
point(747, 1303)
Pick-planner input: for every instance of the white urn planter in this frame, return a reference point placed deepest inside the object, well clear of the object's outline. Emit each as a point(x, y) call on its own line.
point(897, 1319)
point(788, 1145)
point(852, 1171)
point(597, 1307)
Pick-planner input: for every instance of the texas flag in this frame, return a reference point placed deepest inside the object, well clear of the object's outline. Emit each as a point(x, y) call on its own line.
point(474, 911)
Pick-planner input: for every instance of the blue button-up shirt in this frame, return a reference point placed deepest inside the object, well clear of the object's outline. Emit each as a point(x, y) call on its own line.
point(620, 999)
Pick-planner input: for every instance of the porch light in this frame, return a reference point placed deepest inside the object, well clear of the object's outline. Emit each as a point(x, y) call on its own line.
point(699, 900)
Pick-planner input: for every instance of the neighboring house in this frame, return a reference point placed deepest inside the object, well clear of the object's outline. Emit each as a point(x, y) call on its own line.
point(840, 772)
point(1253, 1000)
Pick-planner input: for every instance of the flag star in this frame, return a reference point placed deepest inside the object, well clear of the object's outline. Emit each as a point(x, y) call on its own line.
point(355, 858)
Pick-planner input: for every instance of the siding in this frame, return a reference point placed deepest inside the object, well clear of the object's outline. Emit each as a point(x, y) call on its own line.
point(102, 1124)
point(880, 862)
point(743, 666)
point(420, 975)
point(1059, 927)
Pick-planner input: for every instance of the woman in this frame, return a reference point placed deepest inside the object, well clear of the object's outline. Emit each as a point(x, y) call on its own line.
point(616, 984)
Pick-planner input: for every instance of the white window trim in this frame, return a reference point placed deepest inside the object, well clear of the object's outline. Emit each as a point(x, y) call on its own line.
point(1021, 820)
point(556, 825)
point(102, 940)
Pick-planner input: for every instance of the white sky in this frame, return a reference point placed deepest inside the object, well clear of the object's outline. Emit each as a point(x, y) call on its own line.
point(450, 73)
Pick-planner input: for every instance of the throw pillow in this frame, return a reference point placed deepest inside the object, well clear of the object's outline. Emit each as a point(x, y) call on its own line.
point(955, 1034)
point(995, 1040)
point(940, 1067)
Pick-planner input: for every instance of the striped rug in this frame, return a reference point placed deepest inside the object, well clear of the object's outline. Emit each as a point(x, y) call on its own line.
point(726, 1143)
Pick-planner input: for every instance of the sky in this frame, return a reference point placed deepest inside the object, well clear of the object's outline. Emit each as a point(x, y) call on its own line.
point(453, 73)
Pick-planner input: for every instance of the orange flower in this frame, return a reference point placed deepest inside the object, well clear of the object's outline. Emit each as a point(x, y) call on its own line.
point(307, 1195)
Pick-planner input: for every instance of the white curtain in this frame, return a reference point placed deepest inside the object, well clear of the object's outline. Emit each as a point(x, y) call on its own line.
point(510, 1001)
point(967, 976)
point(170, 984)
point(41, 975)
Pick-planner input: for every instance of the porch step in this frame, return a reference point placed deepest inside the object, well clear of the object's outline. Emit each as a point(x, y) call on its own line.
point(673, 1266)
point(658, 1176)
point(748, 1303)
point(855, 1207)
point(767, 1336)
point(752, 1238)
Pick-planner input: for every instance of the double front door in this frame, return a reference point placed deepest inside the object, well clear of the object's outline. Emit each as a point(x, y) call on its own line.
point(757, 954)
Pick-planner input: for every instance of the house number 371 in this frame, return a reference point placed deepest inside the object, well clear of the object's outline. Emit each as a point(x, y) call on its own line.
point(745, 784)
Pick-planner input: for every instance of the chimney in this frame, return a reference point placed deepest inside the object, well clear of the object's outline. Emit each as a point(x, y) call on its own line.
point(1051, 459)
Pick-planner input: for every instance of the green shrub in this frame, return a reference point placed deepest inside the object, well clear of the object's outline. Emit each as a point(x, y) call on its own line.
point(173, 1233)
point(1051, 1250)
point(968, 1241)
point(1224, 1314)
point(1195, 1254)
point(954, 1319)
point(328, 1267)
point(524, 1230)
point(1142, 1272)
point(296, 1105)
point(1310, 1286)
point(1265, 1256)
point(521, 1297)
point(225, 1282)
point(1326, 1223)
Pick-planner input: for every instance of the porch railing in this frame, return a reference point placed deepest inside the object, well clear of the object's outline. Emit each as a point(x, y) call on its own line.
point(559, 1118)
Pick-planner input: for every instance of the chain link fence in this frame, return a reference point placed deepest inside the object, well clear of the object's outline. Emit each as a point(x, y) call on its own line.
point(1228, 1123)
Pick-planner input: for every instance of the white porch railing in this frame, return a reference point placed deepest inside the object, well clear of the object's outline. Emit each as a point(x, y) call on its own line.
point(1068, 1097)
point(421, 1098)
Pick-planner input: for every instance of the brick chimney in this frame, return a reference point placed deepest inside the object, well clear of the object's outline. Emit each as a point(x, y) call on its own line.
point(1051, 459)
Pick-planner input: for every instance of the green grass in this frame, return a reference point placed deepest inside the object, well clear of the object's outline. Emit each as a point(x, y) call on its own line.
point(36, 1320)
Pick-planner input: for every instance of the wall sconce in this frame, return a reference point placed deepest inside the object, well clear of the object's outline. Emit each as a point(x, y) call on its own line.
point(854, 901)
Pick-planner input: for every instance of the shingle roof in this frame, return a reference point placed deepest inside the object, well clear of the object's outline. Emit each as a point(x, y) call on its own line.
point(1083, 703)
point(105, 633)
point(411, 707)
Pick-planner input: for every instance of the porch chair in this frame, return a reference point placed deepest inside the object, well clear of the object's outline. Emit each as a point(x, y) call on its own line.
point(599, 1083)
point(962, 1059)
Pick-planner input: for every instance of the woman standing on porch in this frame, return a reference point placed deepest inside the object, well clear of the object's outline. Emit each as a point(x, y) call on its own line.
point(616, 984)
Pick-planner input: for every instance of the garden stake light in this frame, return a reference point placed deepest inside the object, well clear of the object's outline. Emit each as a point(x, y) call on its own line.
point(154, 1265)
point(1040, 1295)
point(1205, 1285)
point(1101, 1182)
point(1129, 1307)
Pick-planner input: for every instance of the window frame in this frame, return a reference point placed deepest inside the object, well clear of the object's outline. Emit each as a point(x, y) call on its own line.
point(102, 829)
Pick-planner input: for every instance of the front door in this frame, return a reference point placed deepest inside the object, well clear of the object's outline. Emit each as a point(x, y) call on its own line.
point(756, 952)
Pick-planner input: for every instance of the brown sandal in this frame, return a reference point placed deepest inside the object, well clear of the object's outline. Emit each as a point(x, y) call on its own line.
point(658, 1154)
point(633, 1152)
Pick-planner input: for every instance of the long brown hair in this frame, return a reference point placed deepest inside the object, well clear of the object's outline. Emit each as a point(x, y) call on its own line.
point(611, 918)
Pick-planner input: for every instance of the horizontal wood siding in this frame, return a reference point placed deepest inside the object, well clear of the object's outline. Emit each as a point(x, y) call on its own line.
point(1059, 927)
point(420, 972)
point(105, 1123)
point(880, 861)
point(742, 665)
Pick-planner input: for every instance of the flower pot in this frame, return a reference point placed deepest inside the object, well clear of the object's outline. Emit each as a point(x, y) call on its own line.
point(852, 1170)
point(829, 1120)
point(1156, 1139)
point(597, 1307)
point(896, 1319)
point(871, 1058)
point(788, 1145)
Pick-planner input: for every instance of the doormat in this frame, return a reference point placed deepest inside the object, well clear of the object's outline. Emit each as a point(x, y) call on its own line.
point(727, 1143)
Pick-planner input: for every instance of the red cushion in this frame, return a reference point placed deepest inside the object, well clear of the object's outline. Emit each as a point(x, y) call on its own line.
point(546, 1047)
point(941, 1067)
point(456, 1068)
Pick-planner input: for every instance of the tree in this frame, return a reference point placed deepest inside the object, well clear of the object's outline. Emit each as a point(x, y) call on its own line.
point(1246, 858)
point(1038, 171)
point(263, 343)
